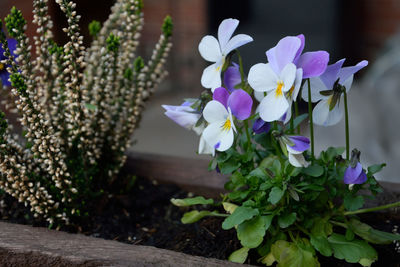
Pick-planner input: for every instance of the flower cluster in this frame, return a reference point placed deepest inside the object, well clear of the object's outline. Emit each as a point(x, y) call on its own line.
point(78, 107)
point(282, 200)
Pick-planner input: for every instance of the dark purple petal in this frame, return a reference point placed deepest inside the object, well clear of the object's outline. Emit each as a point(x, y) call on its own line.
point(261, 126)
point(313, 63)
point(331, 74)
point(346, 72)
point(362, 178)
point(12, 45)
point(232, 77)
point(4, 75)
point(302, 39)
point(351, 174)
point(240, 103)
point(301, 143)
point(221, 95)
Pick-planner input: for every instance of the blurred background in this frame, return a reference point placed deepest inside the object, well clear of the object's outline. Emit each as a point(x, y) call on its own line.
point(352, 29)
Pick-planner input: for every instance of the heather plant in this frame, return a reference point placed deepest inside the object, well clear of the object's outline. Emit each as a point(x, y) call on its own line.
point(284, 201)
point(78, 106)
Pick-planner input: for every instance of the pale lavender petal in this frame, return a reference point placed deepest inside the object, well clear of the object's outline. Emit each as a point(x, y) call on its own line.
point(301, 143)
point(302, 39)
point(272, 60)
point(182, 115)
point(331, 74)
point(235, 42)
point(351, 174)
point(232, 77)
point(221, 95)
point(225, 31)
point(240, 103)
point(261, 126)
point(286, 50)
point(346, 72)
point(313, 63)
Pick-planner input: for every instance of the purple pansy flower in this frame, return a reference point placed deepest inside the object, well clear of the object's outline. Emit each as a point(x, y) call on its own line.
point(214, 50)
point(232, 77)
point(355, 175)
point(219, 114)
point(278, 77)
point(325, 89)
point(4, 75)
point(260, 126)
point(298, 144)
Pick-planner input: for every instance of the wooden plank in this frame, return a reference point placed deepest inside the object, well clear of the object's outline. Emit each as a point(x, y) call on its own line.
point(22, 245)
point(190, 174)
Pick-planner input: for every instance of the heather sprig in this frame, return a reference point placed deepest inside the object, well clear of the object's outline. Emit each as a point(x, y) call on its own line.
point(78, 107)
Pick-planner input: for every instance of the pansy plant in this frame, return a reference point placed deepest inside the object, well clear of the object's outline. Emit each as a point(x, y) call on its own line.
point(282, 200)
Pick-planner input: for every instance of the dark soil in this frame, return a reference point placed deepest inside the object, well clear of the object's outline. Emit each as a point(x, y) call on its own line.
point(146, 217)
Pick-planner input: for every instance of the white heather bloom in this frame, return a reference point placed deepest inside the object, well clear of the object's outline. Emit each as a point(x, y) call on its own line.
point(215, 51)
point(219, 132)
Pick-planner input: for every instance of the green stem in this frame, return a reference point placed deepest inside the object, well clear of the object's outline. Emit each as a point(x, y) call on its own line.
point(246, 127)
point(346, 114)
point(387, 206)
point(240, 66)
point(311, 119)
point(292, 121)
point(296, 111)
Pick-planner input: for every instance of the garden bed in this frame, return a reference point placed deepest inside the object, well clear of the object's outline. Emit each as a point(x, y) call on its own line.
point(146, 219)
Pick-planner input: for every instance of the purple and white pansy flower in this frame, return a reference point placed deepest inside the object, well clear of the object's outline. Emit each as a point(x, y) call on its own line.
point(296, 147)
point(215, 51)
point(286, 65)
point(184, 115)
point(325, 89)
point(219, 114)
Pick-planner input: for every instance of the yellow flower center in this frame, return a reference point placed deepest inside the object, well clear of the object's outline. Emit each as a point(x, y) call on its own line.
point(279, 92)
point(227, 125)
point(1, 66)
point(328, 102)
point(222, 64)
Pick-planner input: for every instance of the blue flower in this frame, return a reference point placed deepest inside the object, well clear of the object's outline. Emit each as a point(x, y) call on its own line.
point(4, 75)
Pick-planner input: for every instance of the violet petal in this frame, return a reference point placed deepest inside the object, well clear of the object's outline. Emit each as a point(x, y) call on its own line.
point(331, 74)
point(232, 77)
point(301, 143)
point(240, 103)
point(313, 63)
point(221, 95)
point(362, 178)
point(351, 174)
point(346, 72)
point(302, 39)
point(260, 126)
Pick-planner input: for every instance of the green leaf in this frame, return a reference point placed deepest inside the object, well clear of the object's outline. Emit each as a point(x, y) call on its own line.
point(375, 168)
point(275, 195)
point(353, 202)
point(240, 215)
point(299, 119)
point(371, 235)
point(352, 251)
point(321, 244)
point(288, 254)
point(228, 167)
point(195, 215)
point(251, 233)
point(287, 219)
point(239, 255)
point(314, 170)
point(191, 201)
